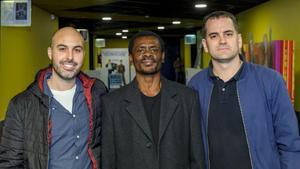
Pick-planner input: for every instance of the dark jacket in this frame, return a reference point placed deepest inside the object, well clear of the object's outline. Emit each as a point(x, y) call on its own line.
point(268, 116)
point(127, 139)
point(27, 128)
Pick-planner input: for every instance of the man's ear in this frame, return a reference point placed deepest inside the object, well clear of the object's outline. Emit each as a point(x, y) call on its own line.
point(204, 45)
point(130, 59)
point(50, 53)
point(163, 57)
point(240, 41)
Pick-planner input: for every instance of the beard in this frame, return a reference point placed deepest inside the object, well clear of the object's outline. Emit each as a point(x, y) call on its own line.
point(64, 74)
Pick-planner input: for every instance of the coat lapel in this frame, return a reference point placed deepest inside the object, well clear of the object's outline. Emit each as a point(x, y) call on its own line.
point(168, 107)
point(136, 109)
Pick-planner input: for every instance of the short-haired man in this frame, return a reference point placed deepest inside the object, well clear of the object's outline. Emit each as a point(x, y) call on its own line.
point(152, 122)
point(250, 122)
point(55, 122)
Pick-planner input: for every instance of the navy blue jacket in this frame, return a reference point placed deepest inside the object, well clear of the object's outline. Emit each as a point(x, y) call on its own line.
point(268, 116)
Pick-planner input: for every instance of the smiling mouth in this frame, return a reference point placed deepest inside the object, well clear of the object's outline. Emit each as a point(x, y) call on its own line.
point(148, 62)
point(69, 66)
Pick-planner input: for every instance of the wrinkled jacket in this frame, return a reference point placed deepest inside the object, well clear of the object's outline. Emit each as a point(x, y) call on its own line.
point(268, 116)
point(27, 128)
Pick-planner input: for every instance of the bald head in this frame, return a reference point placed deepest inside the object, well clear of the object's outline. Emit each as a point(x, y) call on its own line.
point(66, 33)
point(66, 54)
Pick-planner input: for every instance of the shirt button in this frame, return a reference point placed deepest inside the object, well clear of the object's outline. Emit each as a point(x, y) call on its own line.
point(53, 108)
point(76, 157)
point(77, 136)
point(74, 115)
point(223, 89)
point(148, 145)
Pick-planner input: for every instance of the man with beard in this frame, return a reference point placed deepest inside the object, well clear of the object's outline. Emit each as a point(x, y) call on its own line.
point(152, 122)
point(55, 122)
point(249, 122)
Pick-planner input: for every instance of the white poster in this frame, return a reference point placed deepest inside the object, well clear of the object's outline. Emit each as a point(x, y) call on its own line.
point(115, 67)
point(16, 13)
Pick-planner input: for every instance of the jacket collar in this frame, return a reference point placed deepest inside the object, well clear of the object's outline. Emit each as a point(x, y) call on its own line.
point(37, 87)
point(136, 109)
point(87, 82)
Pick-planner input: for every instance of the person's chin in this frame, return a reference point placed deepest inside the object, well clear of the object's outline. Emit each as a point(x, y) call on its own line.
point(69, 77)
point(148, 72)
point(69, 74)
point(223, 59)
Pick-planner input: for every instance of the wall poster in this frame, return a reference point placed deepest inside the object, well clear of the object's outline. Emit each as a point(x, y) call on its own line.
point(16, 13)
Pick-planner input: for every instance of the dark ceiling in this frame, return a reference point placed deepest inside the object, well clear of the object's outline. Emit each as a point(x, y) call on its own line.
point(136, 15)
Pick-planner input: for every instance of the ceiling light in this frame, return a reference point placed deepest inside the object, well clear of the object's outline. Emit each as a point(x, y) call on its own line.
point(176, 22)
point(160, 27)
point(125, 30)
point(106, 18)
point(124, 37)
point(118, 33)
point(200, 5)
point(99, 42)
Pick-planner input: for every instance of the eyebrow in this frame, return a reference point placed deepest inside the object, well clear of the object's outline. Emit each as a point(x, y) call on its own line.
point(212, 33)
point(147, 45)
point(216, 33)
point(63, 45)
point(229, 31)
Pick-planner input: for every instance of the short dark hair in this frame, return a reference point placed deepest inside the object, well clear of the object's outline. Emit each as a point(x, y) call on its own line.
point(143, 34)
point(217, 15)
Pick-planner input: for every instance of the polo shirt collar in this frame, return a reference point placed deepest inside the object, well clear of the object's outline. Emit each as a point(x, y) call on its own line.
point(235, 77)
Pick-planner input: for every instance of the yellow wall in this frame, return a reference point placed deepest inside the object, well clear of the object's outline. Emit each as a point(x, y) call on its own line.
point(23, 52)
point(205, 59)
point(117, 43)
point(86, 63)
point(185, 54)
point(283, 18)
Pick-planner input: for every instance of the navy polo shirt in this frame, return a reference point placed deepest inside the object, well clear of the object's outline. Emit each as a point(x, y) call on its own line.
point(69, 141)
point(228, 147)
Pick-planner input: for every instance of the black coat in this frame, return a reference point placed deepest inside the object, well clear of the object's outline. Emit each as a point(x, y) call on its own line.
point(127, 141)
point(26, 129)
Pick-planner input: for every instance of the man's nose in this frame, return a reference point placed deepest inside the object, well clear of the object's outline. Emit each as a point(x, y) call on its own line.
point(222, 39)
point(148, 52)
point(70, 54)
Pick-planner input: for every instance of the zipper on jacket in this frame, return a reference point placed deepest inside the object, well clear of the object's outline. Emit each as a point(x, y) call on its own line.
point(208, 160)
point(157, 153)
point(49, 115)
point(244, 125)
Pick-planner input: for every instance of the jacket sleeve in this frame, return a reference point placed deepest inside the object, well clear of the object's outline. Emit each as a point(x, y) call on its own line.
point(11, 147)
point(98, 91)
point(285, 127)
point(108, 156)
point(196, 144)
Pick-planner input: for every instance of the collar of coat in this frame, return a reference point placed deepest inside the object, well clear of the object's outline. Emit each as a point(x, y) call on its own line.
point(169, 104)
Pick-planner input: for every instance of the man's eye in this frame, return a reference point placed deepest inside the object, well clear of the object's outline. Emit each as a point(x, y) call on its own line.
point(212, 36)
point(78, 50)
point(61, 49)
point(229, 34)
point(140, 50)
point(154, 50)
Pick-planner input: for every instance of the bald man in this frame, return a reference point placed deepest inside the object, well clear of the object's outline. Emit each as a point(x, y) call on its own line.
point(55, 122)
